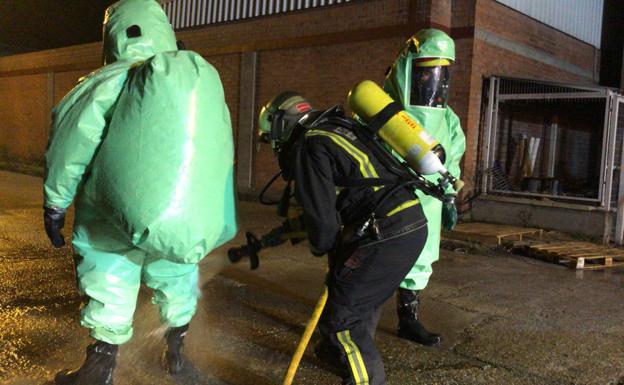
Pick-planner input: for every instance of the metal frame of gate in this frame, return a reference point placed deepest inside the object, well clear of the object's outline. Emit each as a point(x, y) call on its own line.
point(618, 124)
point(611, 187)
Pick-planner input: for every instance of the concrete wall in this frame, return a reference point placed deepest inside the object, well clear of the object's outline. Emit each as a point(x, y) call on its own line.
point(572, 219)
point(321, 53)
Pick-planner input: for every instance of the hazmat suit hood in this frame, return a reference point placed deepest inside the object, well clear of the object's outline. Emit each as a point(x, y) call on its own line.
point(426, 44)
point(429, 45)
point(136, 30)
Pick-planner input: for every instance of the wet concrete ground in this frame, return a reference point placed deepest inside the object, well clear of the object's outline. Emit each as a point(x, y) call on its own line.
point(506, 319)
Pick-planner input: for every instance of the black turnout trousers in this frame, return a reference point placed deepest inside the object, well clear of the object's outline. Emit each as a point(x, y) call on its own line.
point(359, 283)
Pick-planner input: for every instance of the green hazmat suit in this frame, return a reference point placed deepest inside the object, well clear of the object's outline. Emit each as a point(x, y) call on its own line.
point(442, 123)
point(143, 147)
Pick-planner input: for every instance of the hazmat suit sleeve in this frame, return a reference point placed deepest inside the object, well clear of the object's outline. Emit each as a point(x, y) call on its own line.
point(457, 148)
point(78, 126)
point(316, 192)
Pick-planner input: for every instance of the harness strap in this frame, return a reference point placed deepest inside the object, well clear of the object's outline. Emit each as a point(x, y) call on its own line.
point(365, 182)
point(383, 116)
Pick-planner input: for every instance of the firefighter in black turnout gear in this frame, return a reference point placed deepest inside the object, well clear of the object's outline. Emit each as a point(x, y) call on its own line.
point(371, 227)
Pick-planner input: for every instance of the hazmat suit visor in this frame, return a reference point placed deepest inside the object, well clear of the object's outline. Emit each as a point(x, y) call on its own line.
point(429, 86)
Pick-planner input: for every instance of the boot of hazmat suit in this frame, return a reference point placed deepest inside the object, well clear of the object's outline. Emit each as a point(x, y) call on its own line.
point(419, 80)
point(143, 147)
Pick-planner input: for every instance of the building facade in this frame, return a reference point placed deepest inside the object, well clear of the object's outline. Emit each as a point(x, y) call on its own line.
point(321, 49)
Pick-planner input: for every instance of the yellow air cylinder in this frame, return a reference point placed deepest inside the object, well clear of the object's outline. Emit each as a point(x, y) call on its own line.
point(408, 138)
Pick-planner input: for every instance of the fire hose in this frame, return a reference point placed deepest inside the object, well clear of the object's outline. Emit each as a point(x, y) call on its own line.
point(291, 229)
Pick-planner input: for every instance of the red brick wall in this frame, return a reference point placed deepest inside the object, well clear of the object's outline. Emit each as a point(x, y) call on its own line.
point(513, 25)
point(322, 74)
point(308, 42)
point(65, 81)
point(228, 67)
point(260, 33)
point(23, 117)
point(477, 60)
point(321, 53)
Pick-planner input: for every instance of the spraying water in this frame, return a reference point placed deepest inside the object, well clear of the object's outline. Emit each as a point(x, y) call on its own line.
point(140, 360)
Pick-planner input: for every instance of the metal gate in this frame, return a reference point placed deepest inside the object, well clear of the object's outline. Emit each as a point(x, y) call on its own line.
point(617, 122)
point(601, 137)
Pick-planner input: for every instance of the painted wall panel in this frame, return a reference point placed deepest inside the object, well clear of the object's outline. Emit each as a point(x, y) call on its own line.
point(579, 18)
point(191, 13)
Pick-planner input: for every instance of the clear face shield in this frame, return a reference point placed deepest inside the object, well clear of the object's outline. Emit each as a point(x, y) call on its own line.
point(429, 86)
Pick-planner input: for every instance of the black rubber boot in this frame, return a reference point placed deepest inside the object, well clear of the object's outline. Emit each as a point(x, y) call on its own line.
point(409, 326)
point(173, 352)
point(96, 370)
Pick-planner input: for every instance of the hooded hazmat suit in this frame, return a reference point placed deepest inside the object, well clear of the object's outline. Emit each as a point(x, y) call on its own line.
point(441, 122)
point(143, 146)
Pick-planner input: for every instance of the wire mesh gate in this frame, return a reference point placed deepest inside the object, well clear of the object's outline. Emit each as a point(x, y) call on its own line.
point(552, 141)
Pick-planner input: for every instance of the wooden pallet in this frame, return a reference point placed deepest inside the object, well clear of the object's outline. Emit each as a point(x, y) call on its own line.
point(578, 255)
point(490, 233)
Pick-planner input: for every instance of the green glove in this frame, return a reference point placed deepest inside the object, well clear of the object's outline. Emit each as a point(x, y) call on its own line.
point(449, 214)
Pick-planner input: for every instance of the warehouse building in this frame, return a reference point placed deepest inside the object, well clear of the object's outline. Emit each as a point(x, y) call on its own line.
point(543, 137)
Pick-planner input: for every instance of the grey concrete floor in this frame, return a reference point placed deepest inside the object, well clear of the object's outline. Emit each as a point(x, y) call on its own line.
point(506, 319)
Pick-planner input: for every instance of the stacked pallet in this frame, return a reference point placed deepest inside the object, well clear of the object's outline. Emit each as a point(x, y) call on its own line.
point(488, 233)
point(574, 254)
point(577, 255)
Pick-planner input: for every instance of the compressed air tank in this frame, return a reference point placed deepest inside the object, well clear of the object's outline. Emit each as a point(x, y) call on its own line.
point(401, 132)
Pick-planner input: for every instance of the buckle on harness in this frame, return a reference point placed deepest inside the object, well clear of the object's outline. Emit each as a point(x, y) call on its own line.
point(370, 227)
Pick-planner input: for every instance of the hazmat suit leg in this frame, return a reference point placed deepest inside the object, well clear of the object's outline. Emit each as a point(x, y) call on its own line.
point(109, 271)
point(418, 277)
point(175, 288)
point(410, 327)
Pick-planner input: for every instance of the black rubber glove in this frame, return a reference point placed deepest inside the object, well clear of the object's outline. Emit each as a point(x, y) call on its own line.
point(54, 220)
point(449, 214)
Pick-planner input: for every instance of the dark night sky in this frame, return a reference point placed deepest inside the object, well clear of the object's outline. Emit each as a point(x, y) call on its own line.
point(27, 25)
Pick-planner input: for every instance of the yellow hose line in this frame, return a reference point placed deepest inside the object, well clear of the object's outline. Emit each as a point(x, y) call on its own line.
point(305, 338)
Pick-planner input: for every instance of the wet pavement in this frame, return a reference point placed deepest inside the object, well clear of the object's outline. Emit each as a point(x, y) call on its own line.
point(506, 319)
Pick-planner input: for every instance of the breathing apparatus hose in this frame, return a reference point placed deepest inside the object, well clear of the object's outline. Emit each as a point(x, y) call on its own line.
point(266, 188)
point(305, 338)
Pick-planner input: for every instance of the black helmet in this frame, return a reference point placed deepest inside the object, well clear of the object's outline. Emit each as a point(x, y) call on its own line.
point(279, 118)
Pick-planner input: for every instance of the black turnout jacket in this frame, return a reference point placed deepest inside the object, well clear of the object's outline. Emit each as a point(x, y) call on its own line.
point(327, 159)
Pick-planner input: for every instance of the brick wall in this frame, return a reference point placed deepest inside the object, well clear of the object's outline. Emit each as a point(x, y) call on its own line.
point(228, 67)
point(321, 53)
point(307, 51)
point(513, 25)
point(478, 59)
point(24, 116)
point(323, 74)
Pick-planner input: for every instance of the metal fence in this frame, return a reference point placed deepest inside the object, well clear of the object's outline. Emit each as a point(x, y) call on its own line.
point(192, 13)
point(617, 192)
point(587, 134)
point(522, 142)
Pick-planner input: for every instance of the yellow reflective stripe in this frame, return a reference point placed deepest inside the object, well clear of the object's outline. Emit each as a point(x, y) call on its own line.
point(349, 352)
point(366, 167)
point(359, 358)
point(403, 206)
point(355, 358)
